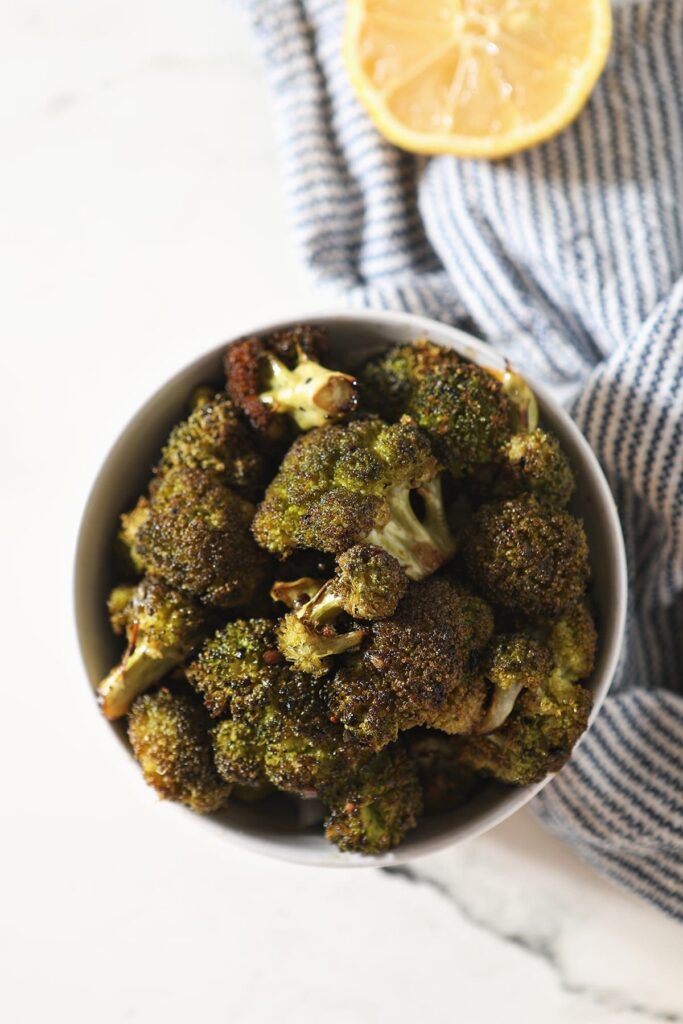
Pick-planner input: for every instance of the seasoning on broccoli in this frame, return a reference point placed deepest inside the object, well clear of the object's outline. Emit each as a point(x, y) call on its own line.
point(214, 439)
point(169, 736)
point(446, 782)
point(371, 810)
point(462, 408)
point(348, 484)
point(240, 658)
point(525, 557)
point(238, 753)
point(534, 463)
point(412, 667)
point(368, 584)
point(272, 379)
point(162, 626)
point(197, 538)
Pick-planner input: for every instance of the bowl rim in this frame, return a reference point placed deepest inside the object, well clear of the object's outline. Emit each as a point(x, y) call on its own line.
point(292, 850)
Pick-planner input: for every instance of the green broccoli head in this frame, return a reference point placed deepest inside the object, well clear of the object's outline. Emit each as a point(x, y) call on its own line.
point(572, 640)
point(372, 809)
point(197, 539)
point(127, 553)
point(446, 782)
point(240, 658)
point(462, 408)
point(214, 439)
point(413, 666)
point(536, 739)
point(162, 625)
point(281, 378)
point(535, 464)
point(344, 485)
point(513, 661)
point(525, 557)
point(238, 753)
point(368, 584)
point(169, 734)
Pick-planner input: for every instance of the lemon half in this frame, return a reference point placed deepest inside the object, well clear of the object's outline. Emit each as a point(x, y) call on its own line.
point(476, 78)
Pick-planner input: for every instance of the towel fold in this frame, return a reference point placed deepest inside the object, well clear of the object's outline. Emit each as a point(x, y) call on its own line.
point(569, 258)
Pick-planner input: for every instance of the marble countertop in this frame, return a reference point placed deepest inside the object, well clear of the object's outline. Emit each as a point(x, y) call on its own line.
point(142, 221)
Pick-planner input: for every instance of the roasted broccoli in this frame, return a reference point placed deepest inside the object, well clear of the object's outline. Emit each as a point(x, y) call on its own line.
point(238, 753)
point(572, 640)
point(413, 667)
point(170, 739)
point(446, 782)
point(525, 557)
point(240, 658)
point(162, 626)
point(214, 439)
point(372, 809)
point(513, 661)
point(534, 463)
point(349, 484)
point(368, 584)
point(461, 407)
point(281, 376)
point(196, 537)
point(132, 562)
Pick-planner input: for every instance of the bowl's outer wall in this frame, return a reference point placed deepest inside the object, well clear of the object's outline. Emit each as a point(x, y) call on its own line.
point(125, 473)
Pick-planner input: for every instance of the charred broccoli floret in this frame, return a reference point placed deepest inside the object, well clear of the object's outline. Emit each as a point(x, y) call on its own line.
point(162, 626)
point(513, 661)
point(536, 739)
point(525, 557)
point(170, 739)
point(281, 376)
point(238, 753)
point(413, 666)
point(345, 485)
point(126, 541)
point(461, 407)
point(535, 464)
point(197, 538)
point(446, 782)
point(368, 584)
point(371, 810)
point(214, 439)
point(572, 641)
point(240, 658)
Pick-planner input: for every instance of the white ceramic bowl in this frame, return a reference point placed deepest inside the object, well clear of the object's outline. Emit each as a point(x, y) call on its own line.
point(275, 827)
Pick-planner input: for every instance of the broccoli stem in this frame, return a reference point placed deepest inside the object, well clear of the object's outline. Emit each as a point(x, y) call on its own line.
point(310, 393)
point(419, 547)
point(500, 709)
point(137, 672)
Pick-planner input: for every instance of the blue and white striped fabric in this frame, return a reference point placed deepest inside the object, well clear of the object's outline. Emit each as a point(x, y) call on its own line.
point(570, 259)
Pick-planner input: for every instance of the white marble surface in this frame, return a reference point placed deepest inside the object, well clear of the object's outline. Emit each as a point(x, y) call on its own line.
point(141, 221)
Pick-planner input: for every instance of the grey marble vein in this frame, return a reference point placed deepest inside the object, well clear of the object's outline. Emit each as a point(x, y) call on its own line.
point(542, 946)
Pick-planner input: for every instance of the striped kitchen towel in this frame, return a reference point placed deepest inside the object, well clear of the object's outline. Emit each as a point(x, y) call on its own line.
point(569, 258)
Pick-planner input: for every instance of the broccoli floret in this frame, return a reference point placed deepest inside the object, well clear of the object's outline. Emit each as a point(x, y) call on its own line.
point(525, 557)
point(127, 551)
point(446, 782)
point(461, 407)
point(572, 641)
point(162, 626)
point(197, 539)
point(412, 667)
point(368, 584)
point(345, 485)
point(214, 439)
point(371, 810)
point(240, 658)
point(281, 376)
point(536, 739)
point(513, 661)
point(524, 407)
point(170, 739)
point(534, 463)
point(238, 753)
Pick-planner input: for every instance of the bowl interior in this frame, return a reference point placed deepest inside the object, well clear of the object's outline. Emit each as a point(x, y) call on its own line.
point(285, 828)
